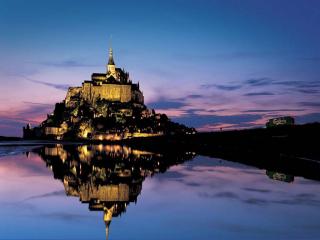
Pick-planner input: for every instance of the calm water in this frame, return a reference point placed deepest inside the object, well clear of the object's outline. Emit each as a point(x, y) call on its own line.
point(82, 192)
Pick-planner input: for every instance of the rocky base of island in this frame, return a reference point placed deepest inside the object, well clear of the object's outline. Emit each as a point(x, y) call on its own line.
point(104, 121)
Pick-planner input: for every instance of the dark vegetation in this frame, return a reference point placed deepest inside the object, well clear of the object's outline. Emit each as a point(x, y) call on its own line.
point(289, 149)
point(293, 150)
point(2, 138)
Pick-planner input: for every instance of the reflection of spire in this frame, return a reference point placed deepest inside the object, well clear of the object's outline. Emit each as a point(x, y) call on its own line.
point(107, 188)
point(107, 217)
point(107, 229)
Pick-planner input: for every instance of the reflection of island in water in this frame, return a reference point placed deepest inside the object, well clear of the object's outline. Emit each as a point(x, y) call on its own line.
point(280, 176)
point(107, 177)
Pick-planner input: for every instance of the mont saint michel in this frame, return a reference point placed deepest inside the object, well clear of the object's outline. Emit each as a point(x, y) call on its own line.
point(108, 107)
point(198, 120)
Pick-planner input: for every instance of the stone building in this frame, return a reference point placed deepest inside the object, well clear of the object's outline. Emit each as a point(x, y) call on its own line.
point(109, 107)
point(113, 85)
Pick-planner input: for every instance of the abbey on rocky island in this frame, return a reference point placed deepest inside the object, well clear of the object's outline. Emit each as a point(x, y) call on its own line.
point(114, 85)
point(107, 107)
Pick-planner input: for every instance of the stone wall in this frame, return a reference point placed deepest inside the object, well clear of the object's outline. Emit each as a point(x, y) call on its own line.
point(52, 131)
point(110, 92)
point(91, 91)
point(137, 97)
point(72, 94)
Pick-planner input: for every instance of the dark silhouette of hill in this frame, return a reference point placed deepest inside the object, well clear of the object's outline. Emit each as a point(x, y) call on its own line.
point(289, 149)
point(3, 138)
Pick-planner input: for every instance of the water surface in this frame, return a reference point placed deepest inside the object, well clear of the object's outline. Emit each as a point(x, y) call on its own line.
point(65, 192)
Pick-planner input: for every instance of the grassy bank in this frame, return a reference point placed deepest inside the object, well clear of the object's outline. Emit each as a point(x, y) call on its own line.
point(294, 150)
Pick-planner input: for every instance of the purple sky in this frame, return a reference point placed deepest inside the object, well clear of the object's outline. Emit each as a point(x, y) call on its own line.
point(205, 63)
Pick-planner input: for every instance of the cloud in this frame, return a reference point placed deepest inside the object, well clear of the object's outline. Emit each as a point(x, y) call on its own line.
point(38, 104)
point(307, 118)
point(12, 122)
point(308, 91)
point(63, 87)
point(226, 195)
point(230, 195)
point(259, 81)
point(10, 70)
point(299, 199)
point(258, 94)
point(273, 110)
point(65, 216)
point(201, 111)
point(310, 104)
point(253, 82)
point(172, 175)
point(222, 87)
point(201, 120)
point(20, 206)
point(257, 190)
point(46, 195)
point(296, 83)
point(194, 96)
point(164, 104)
point(305, 87)
point(302, 86)
point(12, 126)
point(256, 201)
point(228, 88)
point(193, 184)
point(67, 64)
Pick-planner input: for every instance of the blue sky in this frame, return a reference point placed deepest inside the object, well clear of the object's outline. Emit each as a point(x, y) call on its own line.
point(205, 63)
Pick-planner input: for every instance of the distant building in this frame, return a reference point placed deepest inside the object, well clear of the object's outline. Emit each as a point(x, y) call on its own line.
point(29, 132)
point(280, 121)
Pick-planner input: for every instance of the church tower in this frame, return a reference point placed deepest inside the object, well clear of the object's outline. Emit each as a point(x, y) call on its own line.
point(107, 217)
point(111, 67)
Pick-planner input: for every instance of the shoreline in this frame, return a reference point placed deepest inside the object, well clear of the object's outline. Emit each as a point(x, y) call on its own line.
point(290, 150)
point(297, 140)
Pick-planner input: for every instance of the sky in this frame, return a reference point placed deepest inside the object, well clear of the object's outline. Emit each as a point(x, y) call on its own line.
point(207, 64)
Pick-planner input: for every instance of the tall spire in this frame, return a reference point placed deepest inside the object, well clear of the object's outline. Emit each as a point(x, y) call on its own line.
point(111, 67)
point(111, 61)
